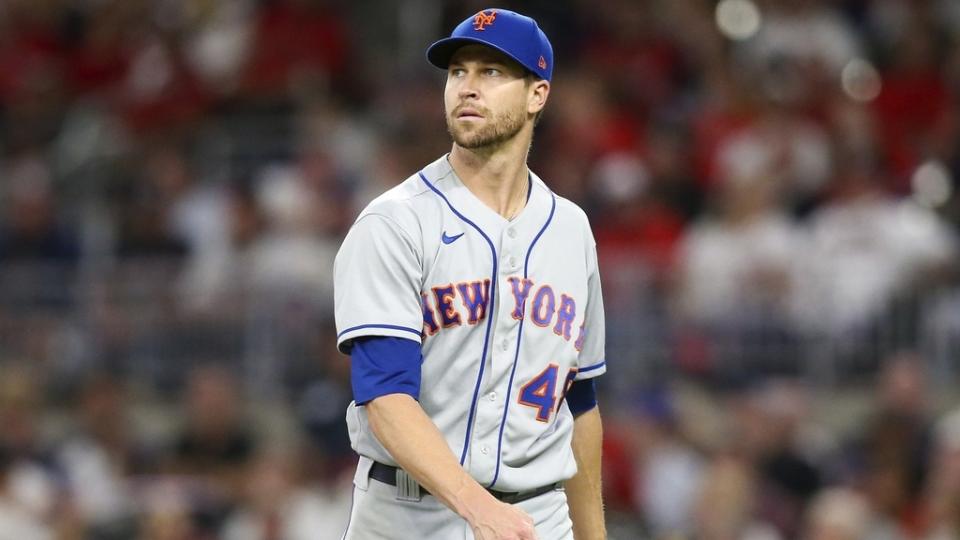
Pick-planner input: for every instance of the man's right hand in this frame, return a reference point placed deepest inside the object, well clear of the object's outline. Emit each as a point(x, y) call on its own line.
point(491, 519)
point(399, 423)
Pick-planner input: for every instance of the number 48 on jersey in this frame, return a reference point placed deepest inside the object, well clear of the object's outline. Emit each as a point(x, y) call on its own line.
point(541, 392)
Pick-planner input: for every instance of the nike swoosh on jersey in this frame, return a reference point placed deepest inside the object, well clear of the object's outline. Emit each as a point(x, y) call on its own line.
point(450, 239)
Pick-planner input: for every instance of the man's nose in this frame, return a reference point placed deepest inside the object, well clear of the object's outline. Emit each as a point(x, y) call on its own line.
point(468, 87)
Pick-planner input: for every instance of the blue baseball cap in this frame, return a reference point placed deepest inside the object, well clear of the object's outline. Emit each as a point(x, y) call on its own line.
point(511, 33)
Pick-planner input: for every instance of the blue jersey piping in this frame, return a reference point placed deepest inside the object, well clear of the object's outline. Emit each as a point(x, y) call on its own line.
point(387, 326)
point(593, 367)
point(490, 317)
point(516, 355)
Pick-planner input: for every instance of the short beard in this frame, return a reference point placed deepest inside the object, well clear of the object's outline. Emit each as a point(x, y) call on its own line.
point(503, 128)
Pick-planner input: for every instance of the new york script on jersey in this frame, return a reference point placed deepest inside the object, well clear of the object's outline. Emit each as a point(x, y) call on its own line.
point(441, 309)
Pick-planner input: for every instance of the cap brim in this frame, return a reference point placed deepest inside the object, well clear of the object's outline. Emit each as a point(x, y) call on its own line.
point(440, 53)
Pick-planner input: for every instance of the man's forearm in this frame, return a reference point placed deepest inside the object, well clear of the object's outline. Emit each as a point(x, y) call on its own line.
point(583, 490)
point(414, 441)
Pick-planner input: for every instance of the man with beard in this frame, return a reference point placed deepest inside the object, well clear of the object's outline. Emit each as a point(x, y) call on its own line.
point(469, 300)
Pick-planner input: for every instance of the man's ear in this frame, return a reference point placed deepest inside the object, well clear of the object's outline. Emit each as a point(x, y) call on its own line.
point(540, 90)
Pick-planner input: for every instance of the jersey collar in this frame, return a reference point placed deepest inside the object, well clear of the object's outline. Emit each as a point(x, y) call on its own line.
point(533, 214)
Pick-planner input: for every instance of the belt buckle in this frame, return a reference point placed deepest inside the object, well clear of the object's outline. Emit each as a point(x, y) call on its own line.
point(408, 489)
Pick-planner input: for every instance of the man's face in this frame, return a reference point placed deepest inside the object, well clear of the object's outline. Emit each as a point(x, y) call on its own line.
point(486, 97)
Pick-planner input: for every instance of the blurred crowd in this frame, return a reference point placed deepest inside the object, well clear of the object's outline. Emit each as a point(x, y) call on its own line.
point(772, 185)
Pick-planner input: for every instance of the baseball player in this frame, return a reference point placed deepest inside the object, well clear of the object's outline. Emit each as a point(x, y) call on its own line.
point(469, 300)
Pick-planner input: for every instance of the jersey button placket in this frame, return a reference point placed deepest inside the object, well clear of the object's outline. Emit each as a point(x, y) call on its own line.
point(511, 263)
point(508, 245)
point(490, 412)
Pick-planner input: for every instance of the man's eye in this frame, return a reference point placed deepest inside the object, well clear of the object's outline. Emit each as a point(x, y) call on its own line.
point(493, 72)
point(456, 72)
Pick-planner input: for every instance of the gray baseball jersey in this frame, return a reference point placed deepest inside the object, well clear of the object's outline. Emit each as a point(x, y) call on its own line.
point(508, 314)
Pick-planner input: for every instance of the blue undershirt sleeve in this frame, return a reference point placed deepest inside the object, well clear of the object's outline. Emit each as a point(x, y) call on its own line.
point(381, 365)
point(582, 396)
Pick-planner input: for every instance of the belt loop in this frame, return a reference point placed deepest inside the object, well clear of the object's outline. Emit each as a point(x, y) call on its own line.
point(362, 477)
point(407, 488)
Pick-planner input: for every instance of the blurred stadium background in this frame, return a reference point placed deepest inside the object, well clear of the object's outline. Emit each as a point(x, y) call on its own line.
point(772, 184)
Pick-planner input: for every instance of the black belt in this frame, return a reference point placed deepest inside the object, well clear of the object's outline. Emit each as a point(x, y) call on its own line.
point(388, 475)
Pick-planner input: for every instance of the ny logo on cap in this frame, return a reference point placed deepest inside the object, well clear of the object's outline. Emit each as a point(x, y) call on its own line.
point(480, 20)
point(542, 63)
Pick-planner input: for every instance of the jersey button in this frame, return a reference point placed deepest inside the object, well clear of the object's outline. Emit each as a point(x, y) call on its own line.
point(512, 233)
point(505, 344)
point(484, 450)
point(513, 262)
point(492, 396)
